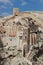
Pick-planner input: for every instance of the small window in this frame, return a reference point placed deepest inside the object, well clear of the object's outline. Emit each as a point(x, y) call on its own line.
point(13, 22)
point(11, 39)
point(4, 32)
point(16, 15)
point(20, 37)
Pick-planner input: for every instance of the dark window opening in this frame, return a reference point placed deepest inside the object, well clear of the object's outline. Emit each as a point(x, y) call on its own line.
point(20, 37)
point(4, 32)
point(16, 15)
point(13, 21)
point(10, 39)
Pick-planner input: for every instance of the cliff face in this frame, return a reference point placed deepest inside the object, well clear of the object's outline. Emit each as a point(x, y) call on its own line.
point(19, 34)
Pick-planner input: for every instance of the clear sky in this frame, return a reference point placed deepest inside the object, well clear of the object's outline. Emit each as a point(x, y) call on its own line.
point(6, 6)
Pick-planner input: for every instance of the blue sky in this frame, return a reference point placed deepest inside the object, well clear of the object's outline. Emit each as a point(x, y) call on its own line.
point(6, 6)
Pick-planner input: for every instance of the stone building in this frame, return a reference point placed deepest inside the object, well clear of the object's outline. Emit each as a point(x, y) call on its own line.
point(21, 28)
